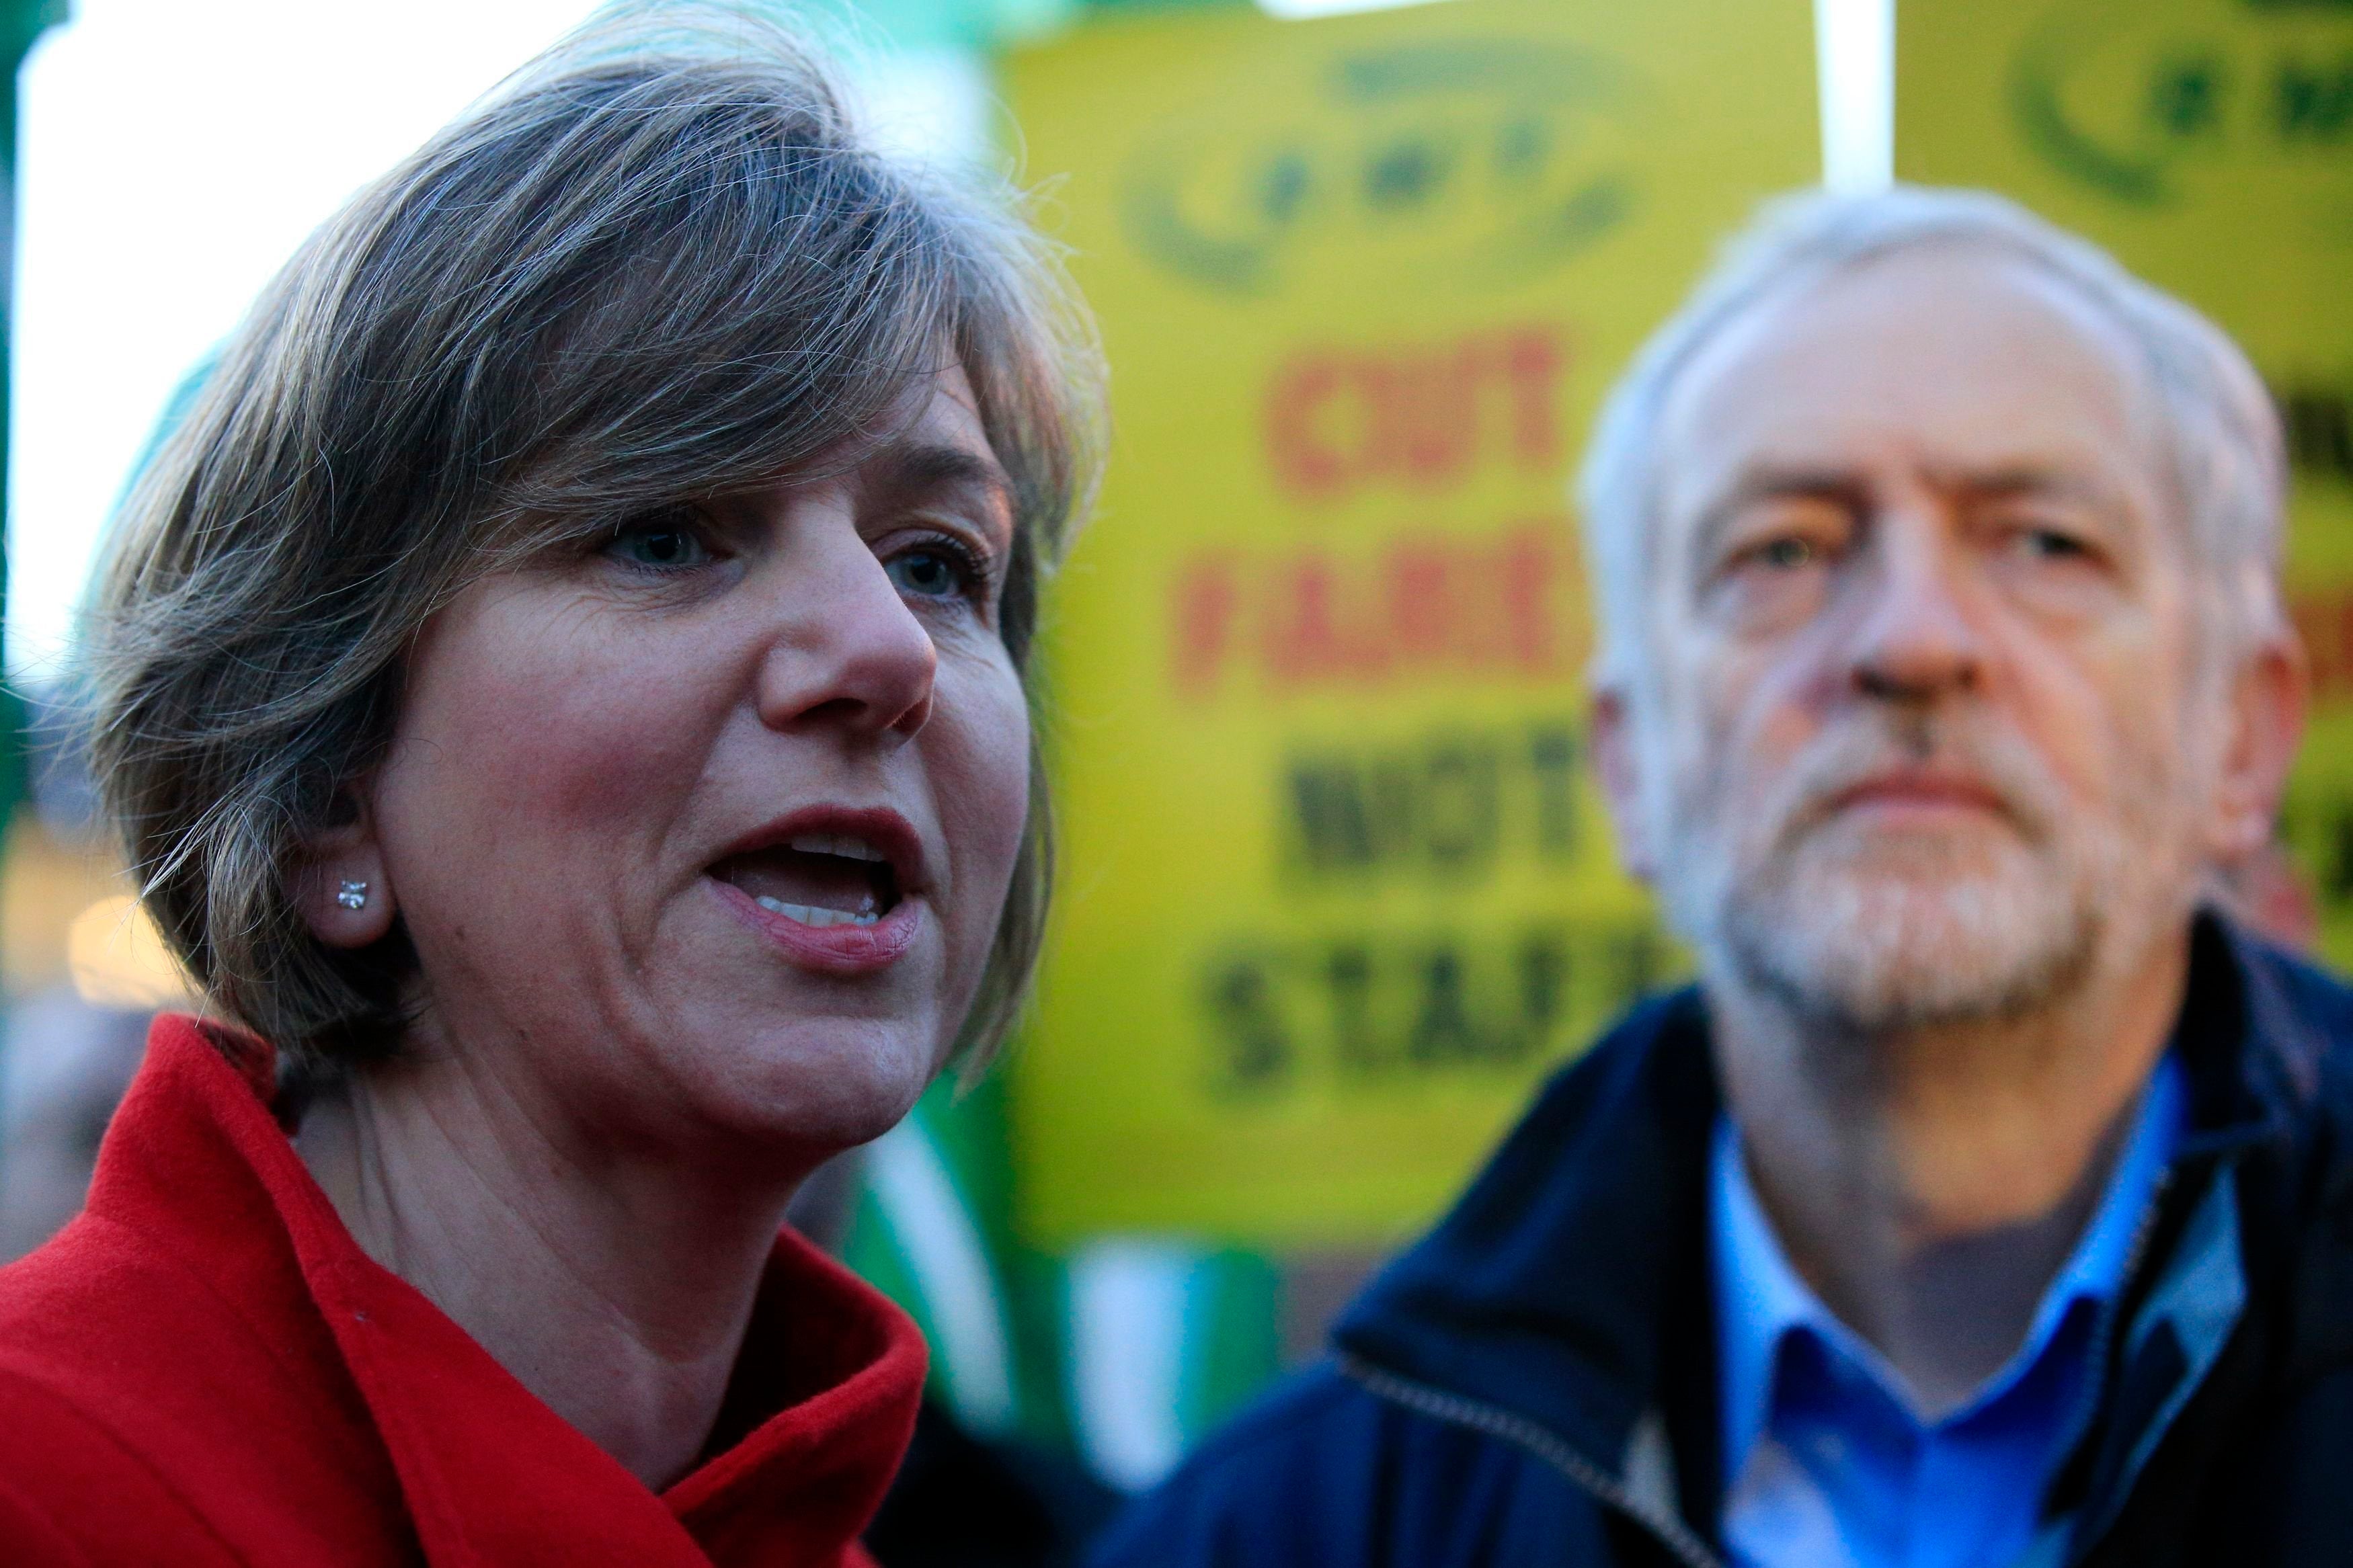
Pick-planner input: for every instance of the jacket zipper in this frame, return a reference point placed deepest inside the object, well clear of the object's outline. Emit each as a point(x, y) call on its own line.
point(1673, 1533)
point(2097, 1387)
point(2104, 1332)
point(1493, 1422)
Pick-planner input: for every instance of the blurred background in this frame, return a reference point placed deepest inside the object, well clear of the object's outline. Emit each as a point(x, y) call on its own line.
point(1336, 892)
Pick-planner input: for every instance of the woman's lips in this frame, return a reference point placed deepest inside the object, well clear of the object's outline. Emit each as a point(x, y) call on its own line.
point(846, 948)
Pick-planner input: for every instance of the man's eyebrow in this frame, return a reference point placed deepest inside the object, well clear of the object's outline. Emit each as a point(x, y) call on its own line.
point(2032, 480)
point(1774, 481)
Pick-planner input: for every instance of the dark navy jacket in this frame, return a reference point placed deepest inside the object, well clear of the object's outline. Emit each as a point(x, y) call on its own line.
point(1533, 1382)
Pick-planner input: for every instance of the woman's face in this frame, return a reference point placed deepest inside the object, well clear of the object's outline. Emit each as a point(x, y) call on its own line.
point(707, 831)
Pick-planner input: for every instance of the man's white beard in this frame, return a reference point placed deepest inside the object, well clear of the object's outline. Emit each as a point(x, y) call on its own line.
point(1870, 931)
point(1881, 941)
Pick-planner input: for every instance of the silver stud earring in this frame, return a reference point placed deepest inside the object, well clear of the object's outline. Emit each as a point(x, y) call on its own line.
point(351, 895)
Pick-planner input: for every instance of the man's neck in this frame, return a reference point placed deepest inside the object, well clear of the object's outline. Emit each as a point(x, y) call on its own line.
point(620, 1295)
point(1930, 1184)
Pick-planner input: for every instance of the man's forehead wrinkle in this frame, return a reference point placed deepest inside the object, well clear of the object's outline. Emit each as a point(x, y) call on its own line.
point(1860, 481)
point(2061, 479)
point(1820, 302)
point(1723, 424)
point(1772, 479)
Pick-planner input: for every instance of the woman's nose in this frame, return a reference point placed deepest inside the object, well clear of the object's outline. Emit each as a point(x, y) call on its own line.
point(1917, 639)
point(849, 652)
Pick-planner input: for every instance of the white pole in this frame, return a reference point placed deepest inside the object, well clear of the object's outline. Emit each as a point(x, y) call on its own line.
point(1854, 56)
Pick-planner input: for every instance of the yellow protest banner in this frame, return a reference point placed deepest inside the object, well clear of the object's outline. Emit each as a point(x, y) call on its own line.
point(2208, 143)
point(1336, 892)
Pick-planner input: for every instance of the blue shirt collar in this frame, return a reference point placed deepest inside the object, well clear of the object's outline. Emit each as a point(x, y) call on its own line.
point(1760, 1301)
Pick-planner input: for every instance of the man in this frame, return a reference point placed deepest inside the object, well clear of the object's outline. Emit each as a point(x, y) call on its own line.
point(1985, 1201)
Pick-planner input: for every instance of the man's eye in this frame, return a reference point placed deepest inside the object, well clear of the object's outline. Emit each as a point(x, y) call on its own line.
point(929, 573)
point(1786, 554)
point(663, 547)
point(2049, 544)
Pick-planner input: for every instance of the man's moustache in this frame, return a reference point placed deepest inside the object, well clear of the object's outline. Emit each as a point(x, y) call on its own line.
point(1851, 757)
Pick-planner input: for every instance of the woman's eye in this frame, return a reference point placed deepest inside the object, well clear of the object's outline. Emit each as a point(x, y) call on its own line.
point(663, 547)
point(930, 573)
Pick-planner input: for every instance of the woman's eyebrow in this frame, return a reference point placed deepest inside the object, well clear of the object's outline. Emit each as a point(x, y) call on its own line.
point(933, 466)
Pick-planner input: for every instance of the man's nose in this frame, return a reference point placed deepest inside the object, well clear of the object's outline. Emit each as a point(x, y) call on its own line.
point(847, 651)
point(1917, 637)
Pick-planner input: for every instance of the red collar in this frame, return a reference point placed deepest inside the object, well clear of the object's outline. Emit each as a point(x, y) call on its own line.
point(829, 1377)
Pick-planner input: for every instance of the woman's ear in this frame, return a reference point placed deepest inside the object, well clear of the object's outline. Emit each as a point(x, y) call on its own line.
point(340, 884)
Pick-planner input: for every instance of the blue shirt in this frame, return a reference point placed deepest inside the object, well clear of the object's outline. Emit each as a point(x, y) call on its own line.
point(1827, 1465)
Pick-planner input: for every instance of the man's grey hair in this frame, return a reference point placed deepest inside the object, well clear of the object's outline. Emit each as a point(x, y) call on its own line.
point(2216, 424)
point(663, 264)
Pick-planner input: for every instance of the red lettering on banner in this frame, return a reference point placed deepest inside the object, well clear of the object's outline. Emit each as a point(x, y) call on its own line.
point(2325, 621)
point(1530, 567)
point(1343, 419)
point(1294, 441)
point(1208, 595)
point(1425, 604)
point(1310, 639)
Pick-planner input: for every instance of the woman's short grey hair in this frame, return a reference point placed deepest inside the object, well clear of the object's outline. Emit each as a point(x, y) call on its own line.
point(658, 264)
point(2216, 424)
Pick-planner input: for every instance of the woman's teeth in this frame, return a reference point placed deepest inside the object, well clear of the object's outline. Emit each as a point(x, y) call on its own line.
point(847, 846)
point(811, 915)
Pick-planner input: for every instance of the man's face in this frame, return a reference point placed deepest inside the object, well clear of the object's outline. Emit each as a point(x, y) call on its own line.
point(1927, 731)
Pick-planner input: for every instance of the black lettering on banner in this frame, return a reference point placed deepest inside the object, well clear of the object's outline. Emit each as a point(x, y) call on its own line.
point(1442, 1027)
point(1447, 806)
point(1460, 808)
point(1552, 758)
point(1642, 960)
point(2336, 874)
point(2333, 866)
point(1362, 1012)
point(2317, 823)
point(1543, 997)
point(2319, 428)
point(1255, 1051)
point(1348, 976)
point(1350, 816)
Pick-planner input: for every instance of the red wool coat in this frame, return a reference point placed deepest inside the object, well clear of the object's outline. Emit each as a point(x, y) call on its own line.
point(205, 1369)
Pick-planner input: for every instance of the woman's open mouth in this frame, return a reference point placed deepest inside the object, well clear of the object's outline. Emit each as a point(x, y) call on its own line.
point(837, 890)
point(820, 879)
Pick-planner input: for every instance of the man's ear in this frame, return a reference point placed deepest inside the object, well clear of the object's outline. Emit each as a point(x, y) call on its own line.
point(2266, 707)
point(340, 884)
point(1611, 739)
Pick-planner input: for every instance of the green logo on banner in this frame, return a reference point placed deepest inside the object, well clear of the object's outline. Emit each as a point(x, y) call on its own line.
point(2131, 101)
point(1492, 160)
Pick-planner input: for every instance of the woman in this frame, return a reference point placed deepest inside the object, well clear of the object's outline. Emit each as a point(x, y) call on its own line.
point(562, 689)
